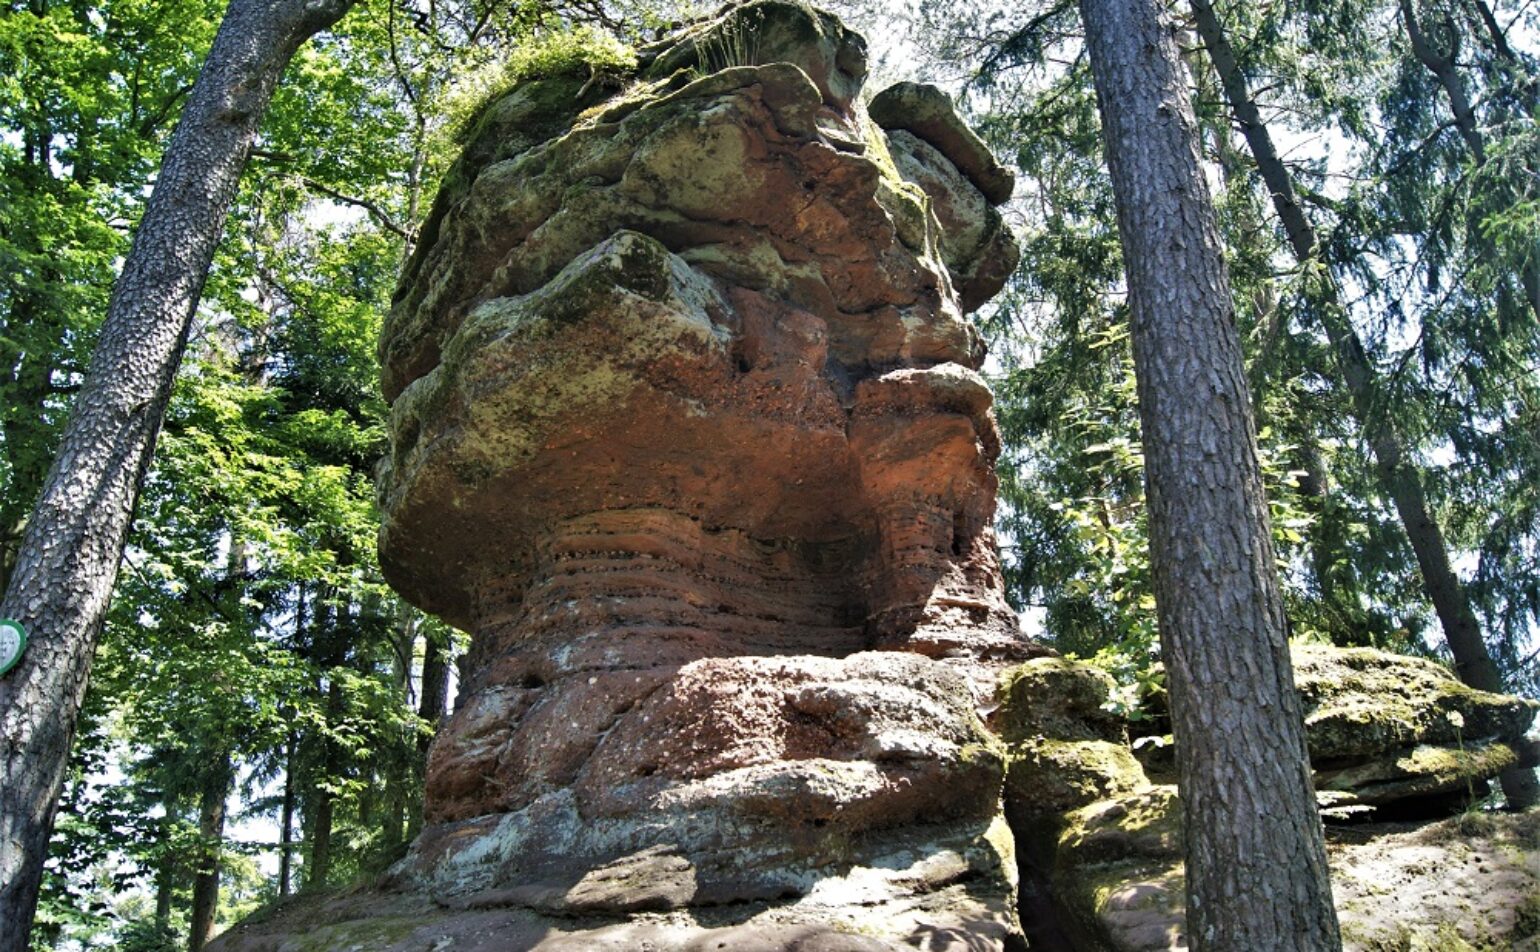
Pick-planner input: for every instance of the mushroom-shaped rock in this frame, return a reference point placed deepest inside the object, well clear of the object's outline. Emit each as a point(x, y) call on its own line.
point(686, 430)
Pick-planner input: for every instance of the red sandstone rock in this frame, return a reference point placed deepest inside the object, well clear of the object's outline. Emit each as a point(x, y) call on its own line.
point(685, 425)
point(686, 430)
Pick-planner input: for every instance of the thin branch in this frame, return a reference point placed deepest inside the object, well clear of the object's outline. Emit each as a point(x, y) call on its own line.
point(376, 212)
point(159, 116)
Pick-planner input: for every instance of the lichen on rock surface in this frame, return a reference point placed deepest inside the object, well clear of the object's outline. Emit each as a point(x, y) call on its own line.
point(687, 431)
point(1391, 739)
point(1392, 730)
point(1466, 882)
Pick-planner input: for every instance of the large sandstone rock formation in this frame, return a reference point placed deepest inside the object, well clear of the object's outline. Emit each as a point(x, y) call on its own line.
point(686, 429)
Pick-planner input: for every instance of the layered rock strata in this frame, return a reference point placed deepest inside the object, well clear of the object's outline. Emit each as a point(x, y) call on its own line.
point(687, 430)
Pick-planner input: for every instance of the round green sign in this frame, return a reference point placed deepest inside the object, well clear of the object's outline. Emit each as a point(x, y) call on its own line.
point(13, 641)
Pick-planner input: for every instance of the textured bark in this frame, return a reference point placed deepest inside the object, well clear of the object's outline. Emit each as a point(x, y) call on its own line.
point(1397, 477)
point(1256, 861)
point(69, 556)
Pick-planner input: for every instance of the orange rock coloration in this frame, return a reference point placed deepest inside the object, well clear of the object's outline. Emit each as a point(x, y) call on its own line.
point(687, 430)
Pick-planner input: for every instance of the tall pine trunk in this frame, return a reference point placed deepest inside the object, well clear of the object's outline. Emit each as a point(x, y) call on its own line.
point(1396, 475)
point(400, 774)
point(1445, 69)
point(69, 556)
point(333, 628)
point(1256, 858)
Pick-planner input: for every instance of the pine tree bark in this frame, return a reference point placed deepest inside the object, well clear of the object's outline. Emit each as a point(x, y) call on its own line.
point(1256, 859)
point(69, 556)
point(1397, 477)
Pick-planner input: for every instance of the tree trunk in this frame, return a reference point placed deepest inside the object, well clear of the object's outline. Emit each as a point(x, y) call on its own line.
point(1256, 858)
point(432, 706)
point(401, 775)
point(286, 826)
point(1445, 70)
point(23, 424)
point(69, 557)
point(166, 866)
point(318, 864)
point(211, 833)
point(1398, 479)
point(332, 629)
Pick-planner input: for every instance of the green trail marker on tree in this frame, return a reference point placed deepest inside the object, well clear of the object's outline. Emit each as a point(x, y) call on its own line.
point(13, 641)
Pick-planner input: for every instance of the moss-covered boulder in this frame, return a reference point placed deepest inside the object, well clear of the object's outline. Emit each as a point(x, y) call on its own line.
point(1361, 702)
point(1464, 884)
point(1390, 736)
point(1390, 729)
point(1065, 747)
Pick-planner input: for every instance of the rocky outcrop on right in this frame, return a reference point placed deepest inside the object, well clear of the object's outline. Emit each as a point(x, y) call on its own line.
point(1399, 748)
point(1391, 731)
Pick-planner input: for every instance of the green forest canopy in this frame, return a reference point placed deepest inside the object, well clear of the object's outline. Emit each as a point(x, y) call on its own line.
point(254, 655)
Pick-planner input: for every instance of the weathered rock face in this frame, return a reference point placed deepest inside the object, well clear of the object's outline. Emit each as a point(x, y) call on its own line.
point(1389, 737)
point(1387, 730)
point(687, 430)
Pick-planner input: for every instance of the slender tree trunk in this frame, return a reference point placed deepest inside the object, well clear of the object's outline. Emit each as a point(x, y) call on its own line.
point(286, 823)
point(1494, 31)
point(69, 557)
point(434, 701)
point(25, 439)
point(166, 867)
point(1445, 69)
point(401, 777)
point(211, 833)
point(164, 889)
point(432, 706)
point(1397, 477)
point(1256, 858)
point(332, 630)
point(318, 865)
